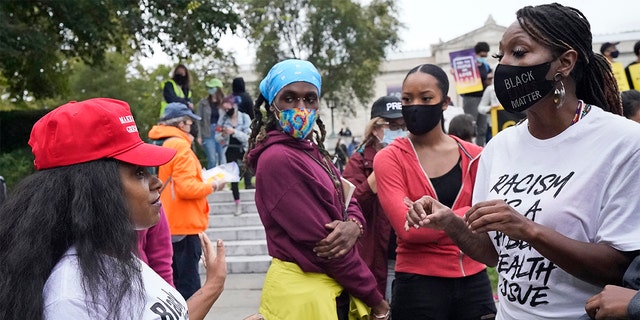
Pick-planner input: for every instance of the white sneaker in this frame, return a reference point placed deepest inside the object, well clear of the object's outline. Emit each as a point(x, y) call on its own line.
point(238, 210)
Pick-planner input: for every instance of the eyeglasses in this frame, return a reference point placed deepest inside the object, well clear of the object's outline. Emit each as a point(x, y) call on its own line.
point(391, 126)
point(289, 101)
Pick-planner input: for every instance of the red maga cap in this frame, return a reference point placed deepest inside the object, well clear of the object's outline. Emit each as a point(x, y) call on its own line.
point(89, 130)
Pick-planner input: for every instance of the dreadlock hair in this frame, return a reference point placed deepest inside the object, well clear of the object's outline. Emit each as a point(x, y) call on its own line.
point(81, 205)
point(260, 127)
point(564, 28)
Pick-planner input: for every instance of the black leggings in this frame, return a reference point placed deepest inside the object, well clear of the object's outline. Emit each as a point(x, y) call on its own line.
point(235, 153)
point(342, 305)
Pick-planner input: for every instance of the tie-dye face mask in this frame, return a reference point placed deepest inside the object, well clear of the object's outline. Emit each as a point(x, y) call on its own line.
point(296, 122)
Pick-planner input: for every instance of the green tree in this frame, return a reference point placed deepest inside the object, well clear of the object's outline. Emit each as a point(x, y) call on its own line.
point(121, 77)
point(39, 38)
point(223, 67)
point(344, 39)
point(118, 78)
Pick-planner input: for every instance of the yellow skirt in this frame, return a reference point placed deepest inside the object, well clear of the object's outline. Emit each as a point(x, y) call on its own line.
point(292, 294)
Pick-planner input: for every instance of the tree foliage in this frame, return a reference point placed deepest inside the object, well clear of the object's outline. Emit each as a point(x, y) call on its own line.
point(39, 38)
point(140, 87)
point(344, 39)
point(118, 79)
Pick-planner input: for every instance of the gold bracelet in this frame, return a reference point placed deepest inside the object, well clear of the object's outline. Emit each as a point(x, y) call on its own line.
point(358, 224)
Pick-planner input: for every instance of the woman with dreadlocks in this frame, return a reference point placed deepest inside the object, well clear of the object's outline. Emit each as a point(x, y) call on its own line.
point(301, 202)
point(551, 195)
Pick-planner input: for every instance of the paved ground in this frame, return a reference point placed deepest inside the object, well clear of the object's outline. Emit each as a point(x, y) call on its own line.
point(240, 298)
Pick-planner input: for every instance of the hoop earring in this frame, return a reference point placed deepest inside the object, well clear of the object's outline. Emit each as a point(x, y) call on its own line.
point(559, 93)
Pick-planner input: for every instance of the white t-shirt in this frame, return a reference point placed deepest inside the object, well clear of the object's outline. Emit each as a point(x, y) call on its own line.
point(582, 183)
point(450, 113)
point(488, 100)
point(64, 297)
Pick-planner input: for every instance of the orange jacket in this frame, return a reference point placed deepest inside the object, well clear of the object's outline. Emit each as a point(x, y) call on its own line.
point(185, 198)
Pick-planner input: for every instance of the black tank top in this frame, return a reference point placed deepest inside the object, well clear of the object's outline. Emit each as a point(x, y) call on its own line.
point(448, 185)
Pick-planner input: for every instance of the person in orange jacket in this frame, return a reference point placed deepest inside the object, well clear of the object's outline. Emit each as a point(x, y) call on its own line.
point(185, 197)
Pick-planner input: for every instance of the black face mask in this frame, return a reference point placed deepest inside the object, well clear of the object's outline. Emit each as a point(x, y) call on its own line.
point(180, 79)
point(615, 54)
point(421, 118)
point(518, 88)
point(230, 112)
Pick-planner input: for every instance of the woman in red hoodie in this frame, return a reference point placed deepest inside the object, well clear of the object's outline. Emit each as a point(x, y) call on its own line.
point(433, 279)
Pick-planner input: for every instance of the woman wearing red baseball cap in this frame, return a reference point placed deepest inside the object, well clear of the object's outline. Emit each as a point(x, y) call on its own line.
point(68, 232)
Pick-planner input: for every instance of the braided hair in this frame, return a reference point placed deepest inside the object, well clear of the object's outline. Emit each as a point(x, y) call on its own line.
point(564, 28)
point(265, 122)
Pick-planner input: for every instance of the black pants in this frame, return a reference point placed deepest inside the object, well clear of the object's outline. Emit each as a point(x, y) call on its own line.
point(236, 153)
point(435, 298)
point(186, 255)
point(342, 305)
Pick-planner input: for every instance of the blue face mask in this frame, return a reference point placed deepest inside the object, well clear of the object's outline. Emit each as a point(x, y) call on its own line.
point(482, 60)
point(390, 135)
point(212, 90)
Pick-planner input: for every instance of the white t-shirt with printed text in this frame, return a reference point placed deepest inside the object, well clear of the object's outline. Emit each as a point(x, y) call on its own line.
point(582, 183)
point(64, 297)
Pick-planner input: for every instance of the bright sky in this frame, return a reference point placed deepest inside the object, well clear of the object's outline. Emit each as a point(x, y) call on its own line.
point(428, 22)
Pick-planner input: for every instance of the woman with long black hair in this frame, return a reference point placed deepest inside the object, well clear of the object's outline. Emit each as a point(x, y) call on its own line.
point(68, 232)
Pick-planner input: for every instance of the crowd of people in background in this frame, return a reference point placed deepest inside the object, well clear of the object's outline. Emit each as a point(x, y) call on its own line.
point(399, 222)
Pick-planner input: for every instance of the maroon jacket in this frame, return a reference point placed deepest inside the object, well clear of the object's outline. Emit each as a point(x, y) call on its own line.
point(296, 198)
point(374, 244)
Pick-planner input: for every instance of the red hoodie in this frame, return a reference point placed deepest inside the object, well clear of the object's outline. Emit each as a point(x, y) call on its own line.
point(424, 251)
point(296, 198)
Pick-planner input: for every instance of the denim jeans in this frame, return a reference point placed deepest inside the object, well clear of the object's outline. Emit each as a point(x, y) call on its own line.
point(214, 151)
point(425, 297)
point(391, 275)
point(186, 255)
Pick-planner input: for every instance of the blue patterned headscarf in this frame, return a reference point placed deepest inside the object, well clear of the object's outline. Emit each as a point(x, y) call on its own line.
point(286, 72)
